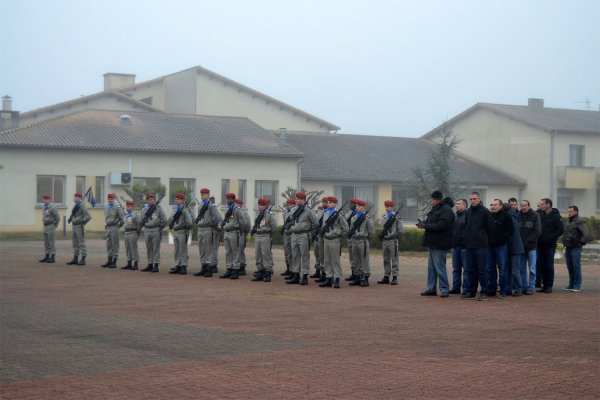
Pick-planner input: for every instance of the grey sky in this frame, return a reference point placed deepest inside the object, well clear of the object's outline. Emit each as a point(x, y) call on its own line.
point(372, 67)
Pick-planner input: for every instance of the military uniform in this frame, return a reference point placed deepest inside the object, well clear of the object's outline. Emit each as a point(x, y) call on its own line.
point(231, 239)
point(318, 245)
point(263, 229)
point(180, 223)
point(133, 228)
point(79, 217)
point(348, 217)
point(113, 220)
point(209, 224)
point(287, 239)
point(302, 226)
point(153, 222)
point(332, 247)
point(389, 247)
point(50, 220)
point(360, 246)
point(244, 230)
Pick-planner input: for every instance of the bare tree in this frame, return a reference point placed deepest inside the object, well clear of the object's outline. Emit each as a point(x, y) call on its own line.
point(312, 198)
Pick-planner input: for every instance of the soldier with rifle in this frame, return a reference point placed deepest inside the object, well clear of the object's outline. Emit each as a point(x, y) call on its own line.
point(50, 220)
point(287, 237)
point(79, 217)
point(392, 230)
point(209, 225)
point(317, 241)
point(361, 229)
point(348, 217)
point(302, 222)
point(180, 223)
point(153, 222)
point(264, 226)
point(231, 239)
point(333, 229)
point(132, 232)
point(244, 230)
point(113, 221)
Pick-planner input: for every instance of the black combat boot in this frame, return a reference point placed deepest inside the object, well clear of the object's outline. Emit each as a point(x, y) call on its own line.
point(394, 280)
point(317, 273)
point(154, 267)
point(50, 259)
point(175, 270)
point(365, 281)
point(235, 274)
point(384, 281)
point(183, 270)
point(215, 269)
point(304, 280)
point(267, 276)
point(209, 271)
point(202, 270)
point(322, 278)
point(107, 263)
point(73, 261)
point(128, 266)
point(82, 261)
point(326, 283)
point(242, 270)
point(113, 263)
point(227, 274)
point(256, 273)
point(259, 276)
point(147, 269)
point(350, 278)
point(336, 284)
point(135, 266)
point(287, 271)
point(295, 278)
point(357, 280)
point(45, 258)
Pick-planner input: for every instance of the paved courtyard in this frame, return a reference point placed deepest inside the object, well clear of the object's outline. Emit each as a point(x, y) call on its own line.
point(85, 332)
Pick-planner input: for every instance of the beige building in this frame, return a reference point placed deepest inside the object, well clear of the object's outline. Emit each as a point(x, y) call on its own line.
point(555, 151)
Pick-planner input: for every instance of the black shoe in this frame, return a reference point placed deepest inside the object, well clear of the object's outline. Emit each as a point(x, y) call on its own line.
point(468, 296)
point(202, 270)
point(304, 280)
point(428, 293)
point(547, 290)
point(175, 269)
point(82, 261)
point(227, 274)
point(317, 274)
point(209, 271)
point(444, 294)
point(364, 281)
point(336, 283)
point(113, 263)
point(295, 278)
point(517, 293)
point(73, 261)
point(258, 277)
point(154, 268)
point(242, 271)
point(267, 276)
point(394, 280)
point(128, 266)
point(147, 269)
point(214, 269)
point(356, 282)
point(183, 270)
point(384, 281)
point(540, 289)
point(107, 263)
point(322, 278)
point(235, 274)
point(351, 278)
point(483, 297)
point(287, 272)
point(454, 291)
point(45, 258)
point(50, 259)
point(291, 276)
point(135, 266)
point(326, 283)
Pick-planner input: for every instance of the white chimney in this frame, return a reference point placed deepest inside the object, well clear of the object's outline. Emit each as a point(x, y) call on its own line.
point(536, 105)
point(7, 103)
point(114, 80)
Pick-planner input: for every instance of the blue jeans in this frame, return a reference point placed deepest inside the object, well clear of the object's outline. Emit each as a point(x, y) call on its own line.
point(459, 268)
point(529, 258)
point(573, 259)
point(497, 256)
point(514, 274)
point(436, 270)
point(546, 265)
point(476, 271)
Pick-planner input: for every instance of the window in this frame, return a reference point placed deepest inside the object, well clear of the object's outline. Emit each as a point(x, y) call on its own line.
point(149, 182)
point(266, 189)
point(183, 185)
point(366, 193)
point(53, 185)
point(80, 184)
point(99, 190)
point(224, 190)
point(564, 198)
point(147, 100)
point(242, 190)
point(576, 152)
point(410, 207)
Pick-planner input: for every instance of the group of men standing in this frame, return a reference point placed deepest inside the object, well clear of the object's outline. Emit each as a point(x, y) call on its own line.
point(502, 250)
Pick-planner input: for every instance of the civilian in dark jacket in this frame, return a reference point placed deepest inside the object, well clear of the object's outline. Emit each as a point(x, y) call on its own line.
point(552, 228)
point(515, 266)
point(497, 255)
point(459, 251)
point(576, 235)
point(438, 237)
point(478, 224)
point(530, 230)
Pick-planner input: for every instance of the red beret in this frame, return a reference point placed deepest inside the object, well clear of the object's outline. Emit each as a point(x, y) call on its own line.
point(111, 196)
point(239, 201)
point(291, 201)
point(264, 201)
point(77, 195)
point(325, 199)
point(388, 203)
point(360, 202)
point(230, 195)
point(46, 196)
point(204, 191)
point(332, 199)
point(130, 203)
point(180, 196)
point(301, 195)
point(150, 195)
point(353, 200)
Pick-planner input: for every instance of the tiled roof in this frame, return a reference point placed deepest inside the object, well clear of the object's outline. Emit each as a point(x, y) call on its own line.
point(380, 158)
point(150, 132)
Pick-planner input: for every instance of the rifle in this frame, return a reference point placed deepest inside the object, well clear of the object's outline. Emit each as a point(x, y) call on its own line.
point(292, 221)
point(150, 211)
point(359, 221)
point(76, 208)
point(201, 211)
point(121, 222)
point(228, 215)
point(388, 223)
point(329, 223)
point(260, 216)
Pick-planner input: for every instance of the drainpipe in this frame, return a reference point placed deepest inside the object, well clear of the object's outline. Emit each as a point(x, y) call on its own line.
point(553, 134)
point(299, 178)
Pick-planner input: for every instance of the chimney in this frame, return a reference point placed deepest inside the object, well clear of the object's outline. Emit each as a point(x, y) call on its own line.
point(7, 103)
point(9, 119)
point(536, 105)
point(282, 139)
point(113, 81)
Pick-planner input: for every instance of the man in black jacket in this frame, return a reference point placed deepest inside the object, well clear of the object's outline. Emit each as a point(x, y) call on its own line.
point(552, 228)
point(530, 230)
point(478, 225)
point(438, 238)
point(459, 251)
point(497, 254)
point(576, 235)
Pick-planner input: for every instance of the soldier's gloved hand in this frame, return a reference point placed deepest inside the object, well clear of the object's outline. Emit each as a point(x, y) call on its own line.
point(421, 225)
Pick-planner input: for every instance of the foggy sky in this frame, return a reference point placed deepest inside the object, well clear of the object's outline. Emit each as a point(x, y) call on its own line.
point(372, 67)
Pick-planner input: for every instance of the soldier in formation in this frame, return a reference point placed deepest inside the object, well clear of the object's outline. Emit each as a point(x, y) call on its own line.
point(113, 220)
point(209, 225)
point(153, 222)
point(180, 223)
point(392, 230)
point(361, 229)
point(80, 216)
point(133, 227)
point(50, 220)
point(264, 226)
point(231, 225)
point(334, 227)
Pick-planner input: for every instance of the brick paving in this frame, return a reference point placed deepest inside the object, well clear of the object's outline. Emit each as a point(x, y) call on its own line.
point(71, 332)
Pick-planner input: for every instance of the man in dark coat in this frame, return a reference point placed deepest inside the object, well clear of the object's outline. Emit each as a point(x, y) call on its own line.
point(552, 228)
